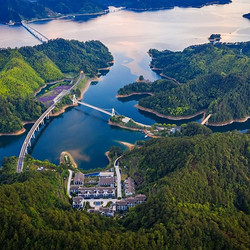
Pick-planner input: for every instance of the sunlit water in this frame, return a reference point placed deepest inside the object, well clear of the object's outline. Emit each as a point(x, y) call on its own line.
point(129, 35)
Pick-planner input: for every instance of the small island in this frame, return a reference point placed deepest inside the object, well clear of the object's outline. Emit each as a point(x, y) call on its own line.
point(214, 38)
point(199, 80)
point(247, 16)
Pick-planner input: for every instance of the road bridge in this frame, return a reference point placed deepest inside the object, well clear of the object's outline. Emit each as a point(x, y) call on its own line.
point(35, 33)
point(40, 121)
point(75, 101)
point(206, 119)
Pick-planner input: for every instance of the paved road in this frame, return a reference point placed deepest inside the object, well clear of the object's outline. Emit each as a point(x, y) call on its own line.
point(29, 136)
point(27, 140)
point(118, 177)
point(69, 181)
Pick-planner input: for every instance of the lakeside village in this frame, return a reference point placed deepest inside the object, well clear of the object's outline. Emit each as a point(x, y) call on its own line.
point(99, 193)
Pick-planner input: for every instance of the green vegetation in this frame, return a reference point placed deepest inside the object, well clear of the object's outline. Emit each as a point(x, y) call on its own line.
point(198, 190)
point(23, 71)
point(130, 124)
point(150, 4)
point(197, 198)
point(17, 10)
point(211, 78)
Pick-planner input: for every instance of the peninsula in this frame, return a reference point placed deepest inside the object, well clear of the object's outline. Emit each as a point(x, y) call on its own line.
point(210, 78)
point(13, 11)
point(25, 70)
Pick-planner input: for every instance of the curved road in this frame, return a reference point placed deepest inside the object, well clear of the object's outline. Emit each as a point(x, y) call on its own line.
point(69, 181)
point(40, 120)
point(118, 177)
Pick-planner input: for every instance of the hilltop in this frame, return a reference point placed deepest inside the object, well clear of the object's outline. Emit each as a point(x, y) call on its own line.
point(17, 10)
point(198, 197)
point(212, 79)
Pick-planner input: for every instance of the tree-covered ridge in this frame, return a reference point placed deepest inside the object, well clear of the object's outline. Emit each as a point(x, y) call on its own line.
point(161, 4)
point(73, 56)
point(198, 190)
point(17, 10)
point(23, 71)
point(214, 79)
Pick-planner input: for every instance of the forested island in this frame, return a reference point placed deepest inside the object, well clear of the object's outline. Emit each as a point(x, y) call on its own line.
point(17, 10)
point(211, 79)
point(197, 189)
point(25, 70)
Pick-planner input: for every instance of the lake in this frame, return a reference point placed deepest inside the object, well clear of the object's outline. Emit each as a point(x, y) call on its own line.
point(85, 133)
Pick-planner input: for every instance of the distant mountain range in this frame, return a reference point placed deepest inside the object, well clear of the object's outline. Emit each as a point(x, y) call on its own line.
point(16, 10)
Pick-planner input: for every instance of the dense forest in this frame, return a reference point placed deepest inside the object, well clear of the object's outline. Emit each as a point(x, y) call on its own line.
point(25, 70)
point(198, 198)
point(160, 4)
point(16, 10)
point(210, 78)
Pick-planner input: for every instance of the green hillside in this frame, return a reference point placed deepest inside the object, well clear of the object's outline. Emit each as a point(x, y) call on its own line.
point(23, 71)
point(197, 198)
point(210, 78)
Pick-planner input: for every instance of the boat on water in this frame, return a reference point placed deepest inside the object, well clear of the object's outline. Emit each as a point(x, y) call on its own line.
point(11, 22)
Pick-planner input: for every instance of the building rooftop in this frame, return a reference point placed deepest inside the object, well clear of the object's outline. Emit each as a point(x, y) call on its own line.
point(79, 177)
point(106, 180)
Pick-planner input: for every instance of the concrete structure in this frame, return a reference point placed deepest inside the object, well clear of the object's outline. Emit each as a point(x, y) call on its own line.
point(35, 127)
point(97, 192)
point(75, 101)
point(129, 186)
point(35, 33)
point(79, 179)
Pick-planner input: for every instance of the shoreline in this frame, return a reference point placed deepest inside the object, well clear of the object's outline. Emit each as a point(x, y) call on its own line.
point(134, 93)
point(107, 155)
point(83, 91)
point(122, 126)
point(177, 118)
point(70, 157)
point(66, 16)
point(132, 129)
point(130, 146)
point(221, 124)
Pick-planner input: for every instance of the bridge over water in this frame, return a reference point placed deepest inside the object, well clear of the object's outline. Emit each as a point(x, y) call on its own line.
point(35, 33)
point(112, 113)
point(40, 121)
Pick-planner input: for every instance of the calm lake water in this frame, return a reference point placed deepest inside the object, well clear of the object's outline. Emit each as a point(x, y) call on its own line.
point(85, 133)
